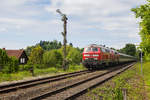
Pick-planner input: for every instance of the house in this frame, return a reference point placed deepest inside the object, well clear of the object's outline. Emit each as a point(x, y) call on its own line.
point(19, 54)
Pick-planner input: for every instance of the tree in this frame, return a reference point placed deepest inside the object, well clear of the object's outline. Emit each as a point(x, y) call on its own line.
point(8, 64)
point(81, 50)
point(12, 65)
point(36, 55)
point(29, 49)
point(129, 49)
point(45, 45)
point(74, 56)
point(52, 58)
point(143, 12)
point(123, 50)
point(3, 57)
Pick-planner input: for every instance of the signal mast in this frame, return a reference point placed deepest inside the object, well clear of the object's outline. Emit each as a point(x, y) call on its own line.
point(64, 34)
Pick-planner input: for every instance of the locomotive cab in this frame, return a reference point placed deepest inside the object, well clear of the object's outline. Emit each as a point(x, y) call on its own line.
point(91, 56)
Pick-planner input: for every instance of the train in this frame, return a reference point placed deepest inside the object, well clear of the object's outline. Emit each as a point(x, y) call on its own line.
point(96, 56)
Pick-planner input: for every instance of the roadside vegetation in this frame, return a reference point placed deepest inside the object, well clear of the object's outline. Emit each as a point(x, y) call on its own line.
point(136, 86)
point(8, 64)
point(44, 58)
point(37, 72)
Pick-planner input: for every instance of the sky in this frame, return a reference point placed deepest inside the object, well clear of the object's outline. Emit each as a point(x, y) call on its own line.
point(107, 22)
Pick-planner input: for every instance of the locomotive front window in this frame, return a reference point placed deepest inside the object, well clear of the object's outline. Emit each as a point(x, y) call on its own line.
point(94, 49)
point(87, 49)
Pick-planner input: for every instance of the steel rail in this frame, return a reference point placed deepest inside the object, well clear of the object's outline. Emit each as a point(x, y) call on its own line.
point(26, 84)
point(75, 95)
point(65, 88)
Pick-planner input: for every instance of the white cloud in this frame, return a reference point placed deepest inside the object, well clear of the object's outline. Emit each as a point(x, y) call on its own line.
point(95, 18)
point(87, 7)
point(3, 29)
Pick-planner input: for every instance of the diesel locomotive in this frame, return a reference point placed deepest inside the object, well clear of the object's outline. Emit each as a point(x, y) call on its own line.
point(96, 56)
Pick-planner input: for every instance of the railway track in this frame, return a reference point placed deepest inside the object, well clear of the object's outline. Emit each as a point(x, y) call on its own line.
point(71, 91)
point(66, 87)
point(30, 83)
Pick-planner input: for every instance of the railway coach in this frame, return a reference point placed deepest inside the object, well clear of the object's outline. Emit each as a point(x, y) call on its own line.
point(96, 56)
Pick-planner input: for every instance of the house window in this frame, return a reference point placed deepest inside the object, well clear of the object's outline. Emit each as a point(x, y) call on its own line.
point(22, 60)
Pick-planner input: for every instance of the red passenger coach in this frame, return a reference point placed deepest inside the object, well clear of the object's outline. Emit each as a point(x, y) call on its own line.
point(95, 56)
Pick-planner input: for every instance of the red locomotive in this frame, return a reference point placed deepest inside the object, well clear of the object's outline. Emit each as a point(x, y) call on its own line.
point(95, 56)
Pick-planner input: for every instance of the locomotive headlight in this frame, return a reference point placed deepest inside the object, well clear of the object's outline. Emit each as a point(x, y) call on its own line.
point(86, 55)
point(95, 58)
point(95, 55)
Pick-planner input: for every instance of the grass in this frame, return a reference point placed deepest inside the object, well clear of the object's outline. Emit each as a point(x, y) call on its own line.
point(14, 76)
point(136, 86)
point(38, 72)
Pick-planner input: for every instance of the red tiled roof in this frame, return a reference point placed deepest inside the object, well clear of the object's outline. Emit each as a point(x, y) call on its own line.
point(16, 53)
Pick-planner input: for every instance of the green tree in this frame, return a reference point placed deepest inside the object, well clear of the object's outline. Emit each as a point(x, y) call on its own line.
point(45, 45)
point(129, 49)
point(123, 50)
point(81, 50)
point(3, 57)
point(11, 66)
point(29, 49)
point(52, 58)
point(143, 12)
point(36, 55)
point(8, 64)
point(68, 48)
point(74, 56)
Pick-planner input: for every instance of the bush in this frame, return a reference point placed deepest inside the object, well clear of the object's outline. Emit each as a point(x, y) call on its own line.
point(27, 67)
point(12, 65)
point(52, 58)
point(74, 56)
point(4, 59)
point(6, 69)
point(36, 55)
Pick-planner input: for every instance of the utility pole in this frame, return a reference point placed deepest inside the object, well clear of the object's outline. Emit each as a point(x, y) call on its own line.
point(141, 55)
point(64, 34)
point(141, 58)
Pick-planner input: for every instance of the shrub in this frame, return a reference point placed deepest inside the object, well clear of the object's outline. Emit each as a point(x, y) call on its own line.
point(74, 56)
point(52, 58)
point(36, 55)
point(3, 58)
point(27, 67)
point(11, 66)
